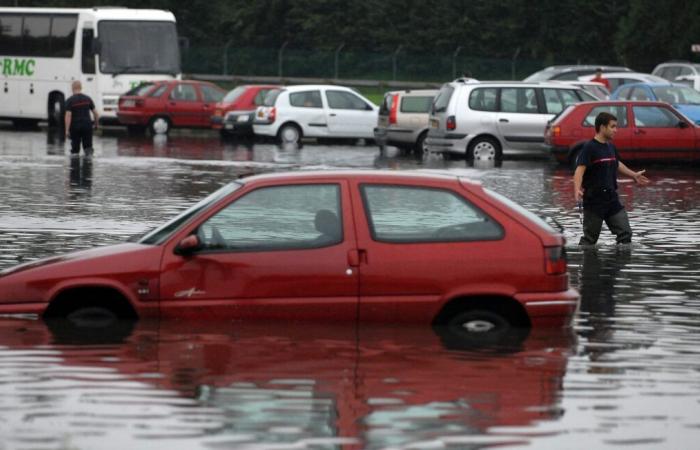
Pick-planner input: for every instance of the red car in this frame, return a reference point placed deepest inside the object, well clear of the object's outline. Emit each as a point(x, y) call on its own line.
point(368, 246)
point(646, 131)
point(235, 113)
point(163, 105)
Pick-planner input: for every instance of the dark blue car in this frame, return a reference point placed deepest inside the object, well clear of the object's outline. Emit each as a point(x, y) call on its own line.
point(684, 99)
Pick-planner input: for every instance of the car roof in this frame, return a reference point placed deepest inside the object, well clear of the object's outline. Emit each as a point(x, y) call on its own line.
point(565, 68)
point(406, 92)
point(515, 83)
point(657, 84)
point(305, 87)
point(619, 103)
point(369, 175)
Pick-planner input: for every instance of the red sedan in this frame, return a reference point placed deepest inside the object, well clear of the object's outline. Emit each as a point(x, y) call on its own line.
point(163, 105)
point(235, 113)
point(366, 246)
point(646, 131)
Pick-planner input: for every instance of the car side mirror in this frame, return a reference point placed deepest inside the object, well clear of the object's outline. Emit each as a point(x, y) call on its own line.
point(188, 245)
point(682, 124)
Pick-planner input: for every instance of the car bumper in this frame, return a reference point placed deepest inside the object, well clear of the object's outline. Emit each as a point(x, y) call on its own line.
point(238, 123)
point(561, 154)
point(445, 142)
point(550, 309)
point(132, 118)
point(264, 129)
point(393, 136)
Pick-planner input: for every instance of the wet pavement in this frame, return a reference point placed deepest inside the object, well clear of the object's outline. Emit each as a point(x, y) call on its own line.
point(627, 375)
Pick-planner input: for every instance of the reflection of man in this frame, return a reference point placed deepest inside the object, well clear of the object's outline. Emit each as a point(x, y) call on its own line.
point(78, 122)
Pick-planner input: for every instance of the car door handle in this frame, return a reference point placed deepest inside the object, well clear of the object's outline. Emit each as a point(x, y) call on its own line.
point(503, 120)
point(332, 114)
point(638, 131)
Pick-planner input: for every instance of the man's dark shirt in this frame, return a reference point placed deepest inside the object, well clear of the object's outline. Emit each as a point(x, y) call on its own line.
point(80, 105)
point(600, 178)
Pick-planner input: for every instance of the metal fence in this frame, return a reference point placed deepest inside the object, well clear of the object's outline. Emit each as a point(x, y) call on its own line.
point(286, 62)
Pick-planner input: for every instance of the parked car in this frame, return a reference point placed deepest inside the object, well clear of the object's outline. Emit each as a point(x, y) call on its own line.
point(235, 113)
point(683, 98)
point(645, 131)
point(315, 111)
point(368, 246)
point(487, 119)
point(617, 79)
point(404, 119)
point(169, 104)
point(571, 72)
point(683, 72)
point(596, 89)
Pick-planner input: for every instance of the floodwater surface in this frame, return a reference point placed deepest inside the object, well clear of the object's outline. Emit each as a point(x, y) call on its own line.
point(626, 375)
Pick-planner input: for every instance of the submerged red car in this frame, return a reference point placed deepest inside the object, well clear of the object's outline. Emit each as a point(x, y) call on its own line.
point(645, 131)
point(166, 104)
point(365, 246)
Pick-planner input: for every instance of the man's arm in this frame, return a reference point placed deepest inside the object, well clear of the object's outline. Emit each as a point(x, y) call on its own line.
point(636, 176)
point(578, 182)
point(97, 117)
point(67, 120)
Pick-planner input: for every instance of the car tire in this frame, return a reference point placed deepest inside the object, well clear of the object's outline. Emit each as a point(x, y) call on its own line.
point(289, 133)
point(420, 148)
point(90, 325)
point(477, 329)
point(56, 111)
point(159, 125)
point(484, 148)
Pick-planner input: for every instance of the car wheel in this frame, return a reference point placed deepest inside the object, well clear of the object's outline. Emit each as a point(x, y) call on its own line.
point(484, 148)
point(56, 111)
point(90, 325)
point(479, 329)
point(159, 125)
point(420, 148)
point(289, 134)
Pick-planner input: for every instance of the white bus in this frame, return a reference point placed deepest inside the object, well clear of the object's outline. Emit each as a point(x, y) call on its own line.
point(110, 50)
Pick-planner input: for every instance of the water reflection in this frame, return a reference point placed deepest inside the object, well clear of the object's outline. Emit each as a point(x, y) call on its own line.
point(278, 384)
point(80, 173)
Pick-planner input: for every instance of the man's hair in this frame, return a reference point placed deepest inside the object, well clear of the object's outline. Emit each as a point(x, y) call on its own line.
point(603, 119)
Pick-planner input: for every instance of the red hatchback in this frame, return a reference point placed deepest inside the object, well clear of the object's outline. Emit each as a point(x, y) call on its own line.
point(235, 113)
point(163, 105)
point(367, 246)
point(646, 131)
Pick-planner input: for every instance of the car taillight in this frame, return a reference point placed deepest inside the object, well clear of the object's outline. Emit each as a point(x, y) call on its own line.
point(139, 103)
point(451, 123)
point(555, 131)
point(394, 107)
point(218, 112)
point(555, 260)
point(272, 115)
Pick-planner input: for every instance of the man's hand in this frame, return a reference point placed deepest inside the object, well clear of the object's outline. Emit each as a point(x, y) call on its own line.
point(578, 195)
point(639, 177)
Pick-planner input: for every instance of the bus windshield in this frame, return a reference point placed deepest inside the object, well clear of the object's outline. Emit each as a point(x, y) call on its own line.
point(137, 46)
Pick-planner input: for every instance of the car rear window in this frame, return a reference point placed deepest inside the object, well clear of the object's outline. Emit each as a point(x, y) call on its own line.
point(415, 104)
point(443, 99)
point(140, 90)
point(234, 94)
point(385, 107)
point(271, 97)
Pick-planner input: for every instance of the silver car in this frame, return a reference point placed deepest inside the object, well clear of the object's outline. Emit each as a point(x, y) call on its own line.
point(484, 120)
point(403, 119)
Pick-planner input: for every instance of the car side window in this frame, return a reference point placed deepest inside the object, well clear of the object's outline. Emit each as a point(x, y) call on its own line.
point(159, 91)
point(519, 100)
point(552, 101)
point(618, 111)
point(277, 218)
point(654, 117)
point(639, 93)
point(345, 100)
point(484, 99)
point(624, 93)
point(406, 214)
point(306, 99)
point(211, 95)
point(184, 92)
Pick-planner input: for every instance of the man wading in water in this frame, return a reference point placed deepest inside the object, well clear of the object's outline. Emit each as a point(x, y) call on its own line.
point(595, 183)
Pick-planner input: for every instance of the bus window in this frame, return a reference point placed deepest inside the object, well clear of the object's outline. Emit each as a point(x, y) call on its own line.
point(10, 34)
point(36, 32)
point(138, 47)
point(88, 56)
point(63, 35)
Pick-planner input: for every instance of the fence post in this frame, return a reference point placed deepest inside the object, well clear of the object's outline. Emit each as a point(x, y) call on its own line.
point(337, 52)
point(393, 62)
point(512, 63)
point(279, 59)
point(454, 61)
point(228, 43)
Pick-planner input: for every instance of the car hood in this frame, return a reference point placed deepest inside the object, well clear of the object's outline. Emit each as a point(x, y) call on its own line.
point(690, 111)
point(81, 255)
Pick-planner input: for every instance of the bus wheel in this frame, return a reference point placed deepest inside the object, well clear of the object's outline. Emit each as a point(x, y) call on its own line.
point(56, 110)
point(159, 125)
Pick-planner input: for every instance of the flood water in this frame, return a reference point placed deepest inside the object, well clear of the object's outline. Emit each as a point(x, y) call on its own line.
point(627, 375)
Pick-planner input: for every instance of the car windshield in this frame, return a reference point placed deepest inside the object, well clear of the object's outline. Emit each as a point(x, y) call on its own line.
point(161, 233)
point(234, 94)
point(677, 94)
point(137, 46)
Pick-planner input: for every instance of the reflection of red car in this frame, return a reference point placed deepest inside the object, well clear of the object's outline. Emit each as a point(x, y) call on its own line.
point(365, 246)
point(235, 113)
point(646, 131)
point(355, 387)
point(166, 104)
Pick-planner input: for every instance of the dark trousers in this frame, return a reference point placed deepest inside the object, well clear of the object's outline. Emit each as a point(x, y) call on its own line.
point(81, 133)
point(618, 224)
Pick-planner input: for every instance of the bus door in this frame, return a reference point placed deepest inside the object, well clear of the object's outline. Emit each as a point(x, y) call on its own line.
point(87, 63)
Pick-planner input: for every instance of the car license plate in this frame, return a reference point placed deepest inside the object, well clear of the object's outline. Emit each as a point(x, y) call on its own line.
point(128, 103)
point(434, 123)
point(243, 118)
point(229, 126)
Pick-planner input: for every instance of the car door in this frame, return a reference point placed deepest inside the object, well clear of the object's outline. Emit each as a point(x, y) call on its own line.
point(419, 243)
point(658, 133)
point(349, 115)
point(520, 120)
point(184, 105)
point(276, 251)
